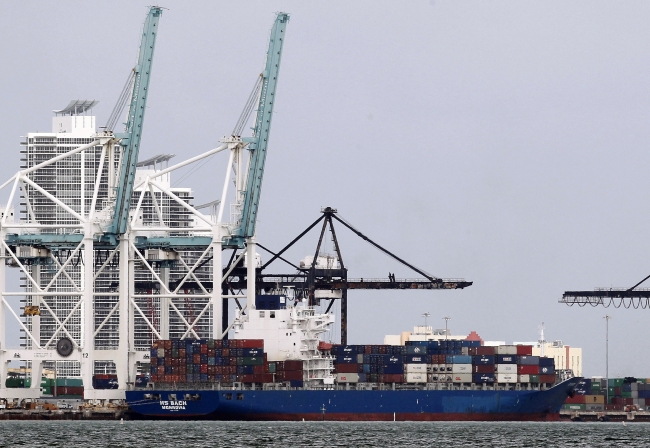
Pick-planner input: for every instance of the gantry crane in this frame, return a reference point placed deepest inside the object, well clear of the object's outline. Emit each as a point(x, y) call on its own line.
point(111, 234)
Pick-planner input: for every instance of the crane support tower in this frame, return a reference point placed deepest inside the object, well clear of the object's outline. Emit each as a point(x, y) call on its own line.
point(110, 238)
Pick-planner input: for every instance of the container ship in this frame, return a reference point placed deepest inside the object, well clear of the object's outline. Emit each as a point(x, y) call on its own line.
point(277, 368)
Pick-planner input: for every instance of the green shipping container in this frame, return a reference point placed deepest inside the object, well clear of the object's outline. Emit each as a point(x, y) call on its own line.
point(534, 378)
point(595, 386)
point(272, 367)
point(574, 407)
point(626, 394)
point(615, 382)
point(14, 382)
point(253, 361)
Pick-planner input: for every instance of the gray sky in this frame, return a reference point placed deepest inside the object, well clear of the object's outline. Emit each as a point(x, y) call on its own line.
point(503, 142)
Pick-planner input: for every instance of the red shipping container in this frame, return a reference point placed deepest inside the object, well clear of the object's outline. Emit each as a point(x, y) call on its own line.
point(154, 377)
point(210, 370)
point(183, 370)
point(547, 379)
point(211, 352)
point(576, 399)
point(628, 401)
point(525, 350)
point(392, 378)
point(161, 370)
point(196, 358)
point(204, 368)
point(252, 343)
point(483, 350)
point(218, 343)
point(382, 350)
point(204, 349)
point(472, 351)
point(289, 375)
point(483, 368)
point(247, 378)
point(263, 378)
point(259, 369)
point(292, 365)
point(530, 370)
point(617, 400)
point(347, 368)
point(618, 391)
point(168, 345)
point(439, 359)
point(225, 352)
point(182, 353)
point(155, 344)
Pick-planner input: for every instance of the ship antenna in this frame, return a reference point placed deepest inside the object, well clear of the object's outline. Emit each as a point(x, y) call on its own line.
point(542, 341)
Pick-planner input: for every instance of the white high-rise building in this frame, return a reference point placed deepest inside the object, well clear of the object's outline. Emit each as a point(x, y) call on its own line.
point(72, 127)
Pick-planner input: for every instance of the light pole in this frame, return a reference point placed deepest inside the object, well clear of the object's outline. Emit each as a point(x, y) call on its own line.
point(425, 315)
point(447, 319)
point(607, 318)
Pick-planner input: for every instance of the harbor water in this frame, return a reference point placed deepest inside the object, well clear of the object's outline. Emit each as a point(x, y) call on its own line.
point(158, 434)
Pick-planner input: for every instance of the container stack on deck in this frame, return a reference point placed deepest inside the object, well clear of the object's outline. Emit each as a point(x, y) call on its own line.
point(60, 387)
point(441, 362)
point(625, 394)
point(219, 361)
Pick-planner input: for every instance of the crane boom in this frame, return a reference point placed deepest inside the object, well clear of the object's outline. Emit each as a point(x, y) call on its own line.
point(133, 131)
point(259, 142)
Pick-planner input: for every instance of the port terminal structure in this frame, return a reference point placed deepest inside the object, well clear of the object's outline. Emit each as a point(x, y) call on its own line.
point(110, 233)
point(115, 227)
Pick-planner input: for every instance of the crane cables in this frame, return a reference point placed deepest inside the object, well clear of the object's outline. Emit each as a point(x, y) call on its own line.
point(124, 97)
point(248, 108)
point(616, 302)
point(237, 130)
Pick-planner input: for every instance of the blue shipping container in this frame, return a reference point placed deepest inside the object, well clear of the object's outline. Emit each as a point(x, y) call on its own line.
point(526, 360)
point(543, 361)
point(346, 359)
point(416, 359)
point(485, 360)
point(483, 377)
point(392, 369)
point(506, 359)
point(416, 349)
point(459, 359)
point(546, 370)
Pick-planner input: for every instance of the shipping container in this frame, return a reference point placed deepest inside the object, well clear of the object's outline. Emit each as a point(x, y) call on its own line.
point(461, 368)
point(507, 368)
point(485, 350)
point(415, 359)
point(392, 378)
point(483, 378)
point(546, 370)
point(461, 377)
point(416, 349)
point(506, 359)
point(415, 368)
point(523, 378)
point(348, 368)
point(524, 350)
point(595, 407)
point(483, 360)
point(506, 377)
point(528, 360)
point(459, 359)
point(416, 377)
point(528, 369)
point(547, 379)
point(347, 377)
point(574, 407)
point(507, 350)
point(487, 368)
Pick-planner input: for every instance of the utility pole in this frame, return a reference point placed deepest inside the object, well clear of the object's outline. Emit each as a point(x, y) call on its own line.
point(447, 319)
point(607, 318)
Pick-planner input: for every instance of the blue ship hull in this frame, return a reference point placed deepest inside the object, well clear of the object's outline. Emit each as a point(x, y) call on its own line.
point(352, 404)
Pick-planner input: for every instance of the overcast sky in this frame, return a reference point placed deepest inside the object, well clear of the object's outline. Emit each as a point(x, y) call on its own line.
point(500, 141)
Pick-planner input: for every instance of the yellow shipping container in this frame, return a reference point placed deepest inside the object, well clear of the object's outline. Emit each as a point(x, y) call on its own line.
point(594, 399)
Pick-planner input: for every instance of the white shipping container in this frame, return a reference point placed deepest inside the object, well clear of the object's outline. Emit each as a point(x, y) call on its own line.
point(507, 350)
point(635, 394)
point(347, 377)
point(359, 359)
point(524, 378)
point(634, 386)
point(507, 368)
point(461, 368)
point(506, 378)
point(461, 377)
point(415, 368)
point(416, 377)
